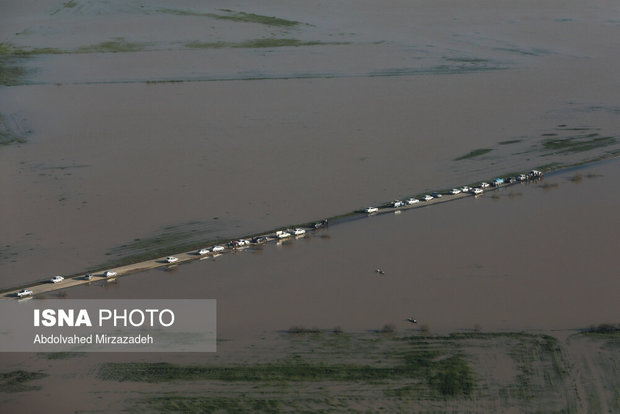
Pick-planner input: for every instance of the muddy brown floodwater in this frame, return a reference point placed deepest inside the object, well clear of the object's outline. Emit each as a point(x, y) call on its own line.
point(522, 258)
point(139, 125)
point(250, 138)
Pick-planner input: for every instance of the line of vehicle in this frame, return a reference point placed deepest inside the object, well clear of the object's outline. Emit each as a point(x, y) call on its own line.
point(59, 282)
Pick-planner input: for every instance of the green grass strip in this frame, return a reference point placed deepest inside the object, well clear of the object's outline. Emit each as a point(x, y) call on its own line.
point(474, 153)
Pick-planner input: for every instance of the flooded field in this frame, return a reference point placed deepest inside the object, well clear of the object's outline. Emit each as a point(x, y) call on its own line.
point(519, 258)
point(129, 126)
point(246, 137)
point(332, 371)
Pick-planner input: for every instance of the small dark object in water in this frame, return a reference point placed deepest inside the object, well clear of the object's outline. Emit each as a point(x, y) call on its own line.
point(380, 271)
point(412, 320)
point(321, 224)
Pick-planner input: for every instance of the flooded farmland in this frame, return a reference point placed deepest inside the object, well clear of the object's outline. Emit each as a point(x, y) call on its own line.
point(514, 259)
point(238, 140)
point(127, 127)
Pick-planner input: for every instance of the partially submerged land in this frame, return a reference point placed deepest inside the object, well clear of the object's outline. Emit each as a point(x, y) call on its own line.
point(215, 248)
point(184, 248)
point(350, 105)
point(312, 370)
point(270, 89)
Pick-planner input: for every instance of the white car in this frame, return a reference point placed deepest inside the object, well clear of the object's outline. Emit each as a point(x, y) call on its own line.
point(282, 234)
point(412, 201)
point(371, 210)
point(217, 248)
point(203, 251)
point(172, 259)
point(57, 279)
point(427, 197)
point(485, 185)
point(299, 232)
point(109, 273)
point(477, 190)
point(521, 177)
point(455, 191)
point(243, 242)
point(24, 292)
point(397, 203)
point(465, 188)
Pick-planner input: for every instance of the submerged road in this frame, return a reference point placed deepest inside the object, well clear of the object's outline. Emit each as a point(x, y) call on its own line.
point(39, 288)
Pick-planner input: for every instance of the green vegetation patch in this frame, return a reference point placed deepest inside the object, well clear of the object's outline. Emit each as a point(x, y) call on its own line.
point(548, 167)
point(446, 374)
point(10, 75)
point(7, 134)
point(257, 43)
point(577, 144)
point(170, 236)
point(474, 153)
point(185, 237)
point(604, 330)
point(236, 17)
point(284, 371)
point(119, 44)
point(8, 138)
point(62, 355)
point(542, 367)
point(256, 18)
point(510, 141)
point(452, 377)
point(66, 5)
point(328, 372)
point(11, 51)
point(116, 45)
point(177, 12)
point(16, 381)
point(206, 45)
point(10, 72)
point(176, 238)
point(275, 42)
